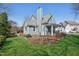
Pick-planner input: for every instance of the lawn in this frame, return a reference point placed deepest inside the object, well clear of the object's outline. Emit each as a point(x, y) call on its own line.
point(19, 46)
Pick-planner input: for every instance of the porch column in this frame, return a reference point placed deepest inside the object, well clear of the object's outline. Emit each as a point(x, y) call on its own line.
point(42, 31)
point(28, 30)
point(52, 30)
point(45, 31)
point(24, 29)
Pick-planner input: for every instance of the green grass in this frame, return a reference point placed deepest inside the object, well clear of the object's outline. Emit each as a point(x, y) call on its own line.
point(19, 46)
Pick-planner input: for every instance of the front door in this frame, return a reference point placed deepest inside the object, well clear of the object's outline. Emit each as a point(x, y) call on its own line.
point(48, 30)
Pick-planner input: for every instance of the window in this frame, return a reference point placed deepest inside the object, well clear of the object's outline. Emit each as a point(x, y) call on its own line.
point(34, 29)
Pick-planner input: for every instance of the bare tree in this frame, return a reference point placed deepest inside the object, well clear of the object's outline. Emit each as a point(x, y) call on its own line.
point(75, 9)
point(14, 26)
point(4, 8)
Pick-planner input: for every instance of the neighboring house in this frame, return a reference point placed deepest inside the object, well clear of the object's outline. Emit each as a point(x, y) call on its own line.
point(70, 26)
point(39, 25)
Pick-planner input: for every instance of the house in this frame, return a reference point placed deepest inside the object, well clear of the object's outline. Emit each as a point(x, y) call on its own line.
point(40, 24)
point(45, 25)
point(69, 26)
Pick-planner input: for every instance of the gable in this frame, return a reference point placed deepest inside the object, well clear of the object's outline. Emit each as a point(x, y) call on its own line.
point(46, 18)
point(31, 21)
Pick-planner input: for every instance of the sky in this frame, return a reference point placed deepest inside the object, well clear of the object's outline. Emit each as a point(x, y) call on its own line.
point(60, 11)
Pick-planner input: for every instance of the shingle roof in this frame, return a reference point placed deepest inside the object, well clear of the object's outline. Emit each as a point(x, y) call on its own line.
point(46, 18)
point(72, 22)
point(63, 24)
point(68, 22)
point(32, 21)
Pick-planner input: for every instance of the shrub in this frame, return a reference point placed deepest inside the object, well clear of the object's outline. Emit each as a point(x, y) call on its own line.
point(2, 40)
point(59, 35)
point(28, 35)
point(12, 35)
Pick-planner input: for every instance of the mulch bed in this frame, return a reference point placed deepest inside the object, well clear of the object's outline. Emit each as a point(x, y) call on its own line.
point(46, 39)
